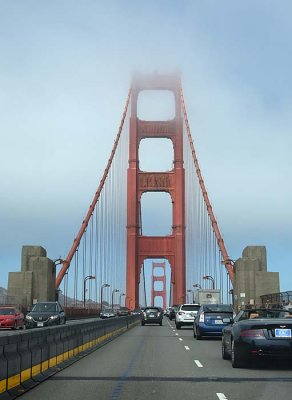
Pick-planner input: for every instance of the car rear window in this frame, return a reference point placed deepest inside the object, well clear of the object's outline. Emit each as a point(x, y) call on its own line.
point(218, 308)
point(190, 307)
point(150, 310)
point(7, 311)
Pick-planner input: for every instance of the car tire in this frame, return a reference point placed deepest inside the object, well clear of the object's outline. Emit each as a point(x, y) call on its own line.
point(160, 323)
point(170, 318)
point(198, 335)
point(194, 331)
point(178, 326)
point(142, 323)
point(225, 355)
point(236, 360)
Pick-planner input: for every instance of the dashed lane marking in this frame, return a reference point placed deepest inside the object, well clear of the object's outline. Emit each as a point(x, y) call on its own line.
point(187, 348)
point(180, 339)
point(221, 396)
point(176, 334)
point(198, 364)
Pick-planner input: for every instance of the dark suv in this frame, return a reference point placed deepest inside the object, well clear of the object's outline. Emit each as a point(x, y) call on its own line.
point(172, 311)
point(152, 315)
point(45, 314)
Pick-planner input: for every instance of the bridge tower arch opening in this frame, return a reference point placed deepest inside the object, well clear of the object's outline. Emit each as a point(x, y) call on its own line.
point(170, 247)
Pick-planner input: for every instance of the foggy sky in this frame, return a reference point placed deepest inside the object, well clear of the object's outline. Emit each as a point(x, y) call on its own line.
point(65, 70)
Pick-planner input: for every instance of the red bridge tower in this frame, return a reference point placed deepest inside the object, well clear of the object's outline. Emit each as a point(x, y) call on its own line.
point(171, 247)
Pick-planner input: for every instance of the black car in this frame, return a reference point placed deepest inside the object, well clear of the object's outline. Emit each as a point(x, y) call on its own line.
point(258, 334)
point(172, 311)
point(152, 315)
point(45, 314)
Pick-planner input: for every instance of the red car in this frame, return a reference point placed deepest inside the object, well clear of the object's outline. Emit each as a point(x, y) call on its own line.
point(10, 317)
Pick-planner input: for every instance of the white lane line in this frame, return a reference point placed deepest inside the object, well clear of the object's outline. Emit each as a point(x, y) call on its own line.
point(176, 334)
point(180, 339)
point(221, 396)
point(187, 348)
point(197, 362)
point(173, 330)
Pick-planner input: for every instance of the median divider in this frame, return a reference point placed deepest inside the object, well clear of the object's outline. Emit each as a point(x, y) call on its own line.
point(30, 356)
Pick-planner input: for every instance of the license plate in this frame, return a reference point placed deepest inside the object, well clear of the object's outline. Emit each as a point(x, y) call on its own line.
point(218, 322)
point(283, 333)
point(40, 324)
point(152, 316)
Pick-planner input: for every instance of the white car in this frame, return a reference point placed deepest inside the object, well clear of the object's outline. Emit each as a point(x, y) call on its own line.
point(186, 314)
point(108, 313)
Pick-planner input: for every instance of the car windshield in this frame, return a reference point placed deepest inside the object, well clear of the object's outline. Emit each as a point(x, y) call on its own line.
point(218, 307)
point(190, 307)
point(7, 311)
point(263, 313)
point(45, 307)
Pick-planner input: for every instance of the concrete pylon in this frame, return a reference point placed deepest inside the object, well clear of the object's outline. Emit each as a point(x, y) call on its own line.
point(251, 278)
point(36, 281)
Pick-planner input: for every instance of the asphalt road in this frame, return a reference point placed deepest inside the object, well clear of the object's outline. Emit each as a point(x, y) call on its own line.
point(162, 363)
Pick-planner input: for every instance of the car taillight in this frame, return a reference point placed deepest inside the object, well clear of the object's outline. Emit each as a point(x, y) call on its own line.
point(144, 314)
point(202, 317)
point(253, 333)
point(158, 314)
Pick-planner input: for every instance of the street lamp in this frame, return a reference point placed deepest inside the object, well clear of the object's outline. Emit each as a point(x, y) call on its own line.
point(114, 291)
point(191, 291)
point(101, 292)
point(210, 278)
point(197, 285)
point(122, 294)
point(88, 277)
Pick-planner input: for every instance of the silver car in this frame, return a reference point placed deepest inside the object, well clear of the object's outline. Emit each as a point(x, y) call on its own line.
point(108, 313)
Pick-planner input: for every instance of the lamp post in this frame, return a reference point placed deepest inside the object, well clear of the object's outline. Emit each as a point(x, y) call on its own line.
point(114, 291)
point(191, 291)
point(122, 294)
point(210, 278)
point(101, 293)
point(197, 285)
point(88, 277)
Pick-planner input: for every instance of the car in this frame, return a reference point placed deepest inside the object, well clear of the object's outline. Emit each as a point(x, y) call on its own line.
point(136, 311)
point(152, 315)
point(172, 311)
point(185, 314)
point(11, 317)
point(211, 319)
point(45, 314)
point(258, 334)
point(123, 311)
point(108, 313)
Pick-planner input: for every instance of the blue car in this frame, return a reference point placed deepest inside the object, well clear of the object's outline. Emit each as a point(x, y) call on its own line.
point(211, 319)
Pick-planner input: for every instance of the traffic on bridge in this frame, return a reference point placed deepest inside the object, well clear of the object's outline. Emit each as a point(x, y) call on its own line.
point(161, 362)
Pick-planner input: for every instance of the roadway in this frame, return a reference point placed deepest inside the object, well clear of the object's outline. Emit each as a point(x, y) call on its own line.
point(160, 363)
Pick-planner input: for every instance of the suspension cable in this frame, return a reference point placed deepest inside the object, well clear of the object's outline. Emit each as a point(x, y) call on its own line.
point(226, 259)
point(67, 261)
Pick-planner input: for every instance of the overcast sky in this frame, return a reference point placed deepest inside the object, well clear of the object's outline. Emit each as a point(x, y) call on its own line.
point(65, 69)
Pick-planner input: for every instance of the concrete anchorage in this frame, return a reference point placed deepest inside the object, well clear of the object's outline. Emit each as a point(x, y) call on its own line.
point(251, 278)
point(36, 281)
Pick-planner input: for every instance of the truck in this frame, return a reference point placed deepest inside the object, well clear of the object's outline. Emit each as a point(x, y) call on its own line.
point(207, 296)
